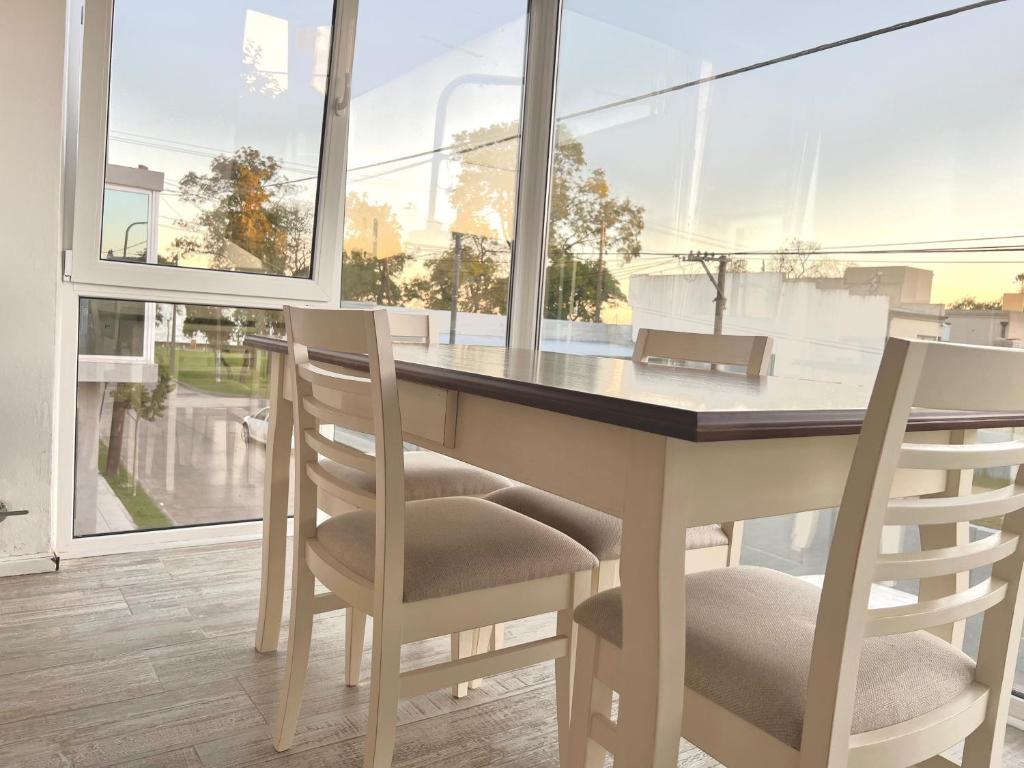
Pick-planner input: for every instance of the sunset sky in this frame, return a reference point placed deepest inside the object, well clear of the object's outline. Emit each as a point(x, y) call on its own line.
point(909, 137)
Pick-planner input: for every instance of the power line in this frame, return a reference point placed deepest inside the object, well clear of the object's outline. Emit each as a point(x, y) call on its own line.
point(782, 59)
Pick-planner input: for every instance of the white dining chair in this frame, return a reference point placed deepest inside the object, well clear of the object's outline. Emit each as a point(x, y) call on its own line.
point(779, 673)
point(708, 546)
point(428, 475)
point(421, 569)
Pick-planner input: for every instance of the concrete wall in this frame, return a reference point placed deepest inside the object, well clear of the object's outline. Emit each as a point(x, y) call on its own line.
point(31, 134)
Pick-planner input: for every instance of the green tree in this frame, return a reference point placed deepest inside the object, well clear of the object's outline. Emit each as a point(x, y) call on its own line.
point(246, 221)
point(374, 260)
point(587, 220)
point(147, 403)
point(483, 277)
point(216, 324)
point(1020, 279)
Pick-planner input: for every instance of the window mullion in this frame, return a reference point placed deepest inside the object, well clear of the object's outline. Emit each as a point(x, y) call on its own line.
point(526, 294)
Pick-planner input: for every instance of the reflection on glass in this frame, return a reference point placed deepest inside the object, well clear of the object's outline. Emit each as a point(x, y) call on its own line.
point(866, 190)
point(433, 159)
point(125, 232)
point(224, 103)
point(171, 416)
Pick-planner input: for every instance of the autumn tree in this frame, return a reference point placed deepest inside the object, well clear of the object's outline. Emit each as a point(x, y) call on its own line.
point(374, 259)
point(247, 220)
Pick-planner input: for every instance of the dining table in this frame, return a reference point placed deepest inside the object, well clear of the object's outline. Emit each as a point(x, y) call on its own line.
point(662, 447)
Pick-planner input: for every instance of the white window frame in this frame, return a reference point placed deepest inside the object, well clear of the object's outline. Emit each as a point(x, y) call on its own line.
point(89, 276)
point(88, 269)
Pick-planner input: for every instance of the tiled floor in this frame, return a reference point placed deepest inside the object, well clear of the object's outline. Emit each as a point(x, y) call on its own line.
point(146, 661)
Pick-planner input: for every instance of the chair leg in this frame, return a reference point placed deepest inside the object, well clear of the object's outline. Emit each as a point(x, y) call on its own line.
point(355, 637)
point(463, 644)
point(384, 692)
point(300, 633)
point(590, 696)
point(564, 666)
point(482, 641)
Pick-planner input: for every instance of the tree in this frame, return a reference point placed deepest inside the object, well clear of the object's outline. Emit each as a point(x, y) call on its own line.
point(1020, 279)
point(373, 260)
point(970, 302)
point(148, 404)
point(586, 217)
point(586, 220)
point(483, 277)
point(216, 324)
point(246, 221)
point(800, 259)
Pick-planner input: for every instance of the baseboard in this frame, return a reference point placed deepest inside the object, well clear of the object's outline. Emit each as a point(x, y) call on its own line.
point(19, 566)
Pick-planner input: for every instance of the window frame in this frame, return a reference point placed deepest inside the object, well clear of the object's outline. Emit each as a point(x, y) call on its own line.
point(87, 268)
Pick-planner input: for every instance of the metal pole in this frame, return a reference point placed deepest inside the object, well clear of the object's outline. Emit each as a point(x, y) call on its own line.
point(456, 258)
point(720, 296)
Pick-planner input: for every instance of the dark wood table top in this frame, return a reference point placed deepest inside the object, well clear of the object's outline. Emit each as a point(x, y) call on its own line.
point(687, 403)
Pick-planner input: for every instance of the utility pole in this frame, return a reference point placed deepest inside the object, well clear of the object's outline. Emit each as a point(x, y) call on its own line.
point(456, 259)
point(718, 282)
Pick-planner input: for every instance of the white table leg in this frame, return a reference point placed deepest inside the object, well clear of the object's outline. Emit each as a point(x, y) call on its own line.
point(654, 615)
point(275, 510)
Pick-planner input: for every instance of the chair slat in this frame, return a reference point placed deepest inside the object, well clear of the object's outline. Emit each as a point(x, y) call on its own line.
point(948, 560)
point(955, 509)
point(330, 484)
point(339, 382)
point(340, 453)
point(952, 457)
point(330, 415)
point(935, 613)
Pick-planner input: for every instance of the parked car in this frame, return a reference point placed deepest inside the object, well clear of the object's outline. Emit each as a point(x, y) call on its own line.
point(254, 426)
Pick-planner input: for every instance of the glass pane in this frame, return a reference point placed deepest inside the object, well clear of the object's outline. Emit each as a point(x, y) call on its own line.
point(433, 160)
point(169, 424)
point(869, 189)
point(125, 234)
point(217, 110)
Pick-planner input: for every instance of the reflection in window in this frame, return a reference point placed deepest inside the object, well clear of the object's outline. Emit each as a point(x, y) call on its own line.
point(433, 159)
point(232, 130)
point(173, 436)
point(125, 235)
point(865, 190)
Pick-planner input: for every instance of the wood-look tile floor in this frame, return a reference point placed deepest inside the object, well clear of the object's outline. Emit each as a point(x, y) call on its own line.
point(147, 661)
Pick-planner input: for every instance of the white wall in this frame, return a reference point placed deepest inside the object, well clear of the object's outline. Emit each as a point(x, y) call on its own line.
point(32, 37)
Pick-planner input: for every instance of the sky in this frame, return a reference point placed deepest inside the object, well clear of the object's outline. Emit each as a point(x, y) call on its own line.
point(914, 136)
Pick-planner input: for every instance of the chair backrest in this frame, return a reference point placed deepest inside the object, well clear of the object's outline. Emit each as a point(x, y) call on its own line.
point(412, 328)
point(929, 375)
point(354, 399)
point(751, 352)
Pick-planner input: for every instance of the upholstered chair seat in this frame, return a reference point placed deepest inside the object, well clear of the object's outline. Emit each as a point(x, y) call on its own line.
point(749, 634)
point(428, 475)
point(598, 532)
point(456, 545)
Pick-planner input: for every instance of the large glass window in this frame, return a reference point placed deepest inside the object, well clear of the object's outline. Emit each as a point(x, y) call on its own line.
point(172, 416)
point(223, 105)
point(867, 189)
point(433, 159)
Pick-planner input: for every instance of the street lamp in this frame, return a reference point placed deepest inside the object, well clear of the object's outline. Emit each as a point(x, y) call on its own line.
point(124, 250)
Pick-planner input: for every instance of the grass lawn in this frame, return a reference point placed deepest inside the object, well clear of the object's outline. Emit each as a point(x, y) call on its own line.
point(196, 369)
point(144, 511)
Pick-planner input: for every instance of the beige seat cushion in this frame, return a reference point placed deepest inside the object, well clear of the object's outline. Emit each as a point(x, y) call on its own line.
point(456, 545)
point(749, 633)
point(428, 475)
point(598, 532)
